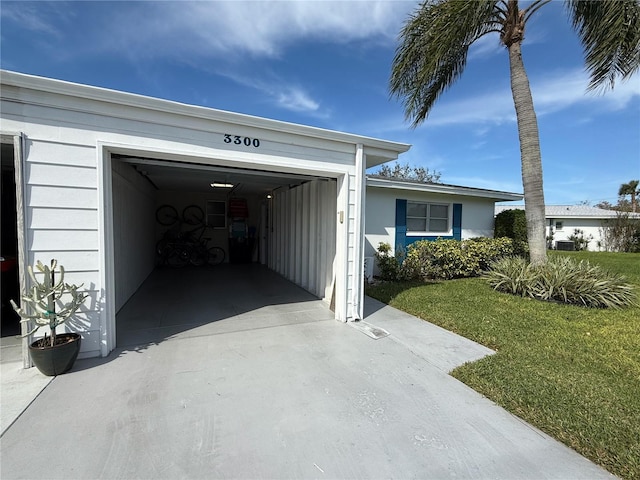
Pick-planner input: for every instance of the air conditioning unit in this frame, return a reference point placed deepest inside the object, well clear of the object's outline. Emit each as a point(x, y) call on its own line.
point(566, 245)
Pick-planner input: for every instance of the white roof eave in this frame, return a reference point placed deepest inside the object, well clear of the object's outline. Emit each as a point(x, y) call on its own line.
point(380, 150)
point(443, 189)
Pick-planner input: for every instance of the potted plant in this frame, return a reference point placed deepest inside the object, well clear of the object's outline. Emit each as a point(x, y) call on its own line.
point(52, 354)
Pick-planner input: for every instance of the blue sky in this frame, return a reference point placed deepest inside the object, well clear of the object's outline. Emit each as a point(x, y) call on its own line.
point(327, 64)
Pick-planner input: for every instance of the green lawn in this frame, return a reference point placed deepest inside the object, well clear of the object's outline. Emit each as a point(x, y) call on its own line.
point(570, 371)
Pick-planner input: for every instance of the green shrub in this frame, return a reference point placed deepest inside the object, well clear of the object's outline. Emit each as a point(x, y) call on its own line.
point(561, 279)
point(388, 264)
point(513, 224)
point(580, 242)
point(447, 259)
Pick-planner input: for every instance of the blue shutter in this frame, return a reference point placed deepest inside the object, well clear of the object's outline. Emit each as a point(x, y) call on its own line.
point(457, 221)
point(401, 223)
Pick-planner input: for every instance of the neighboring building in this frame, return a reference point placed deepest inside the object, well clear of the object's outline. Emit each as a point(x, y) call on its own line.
point(564, 220)
point(400, 212)
point(93, 165)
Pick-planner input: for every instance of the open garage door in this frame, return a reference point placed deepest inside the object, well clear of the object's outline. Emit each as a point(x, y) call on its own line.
point(282, 220)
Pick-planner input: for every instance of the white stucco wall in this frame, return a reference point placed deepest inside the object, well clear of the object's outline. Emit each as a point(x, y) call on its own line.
point(590, 227)
point(477, 214)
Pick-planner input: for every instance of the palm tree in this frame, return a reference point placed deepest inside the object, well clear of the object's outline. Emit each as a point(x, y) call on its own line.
point(432, 54)
point(631, 189)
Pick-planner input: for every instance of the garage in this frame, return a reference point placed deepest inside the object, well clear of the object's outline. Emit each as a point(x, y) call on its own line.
point(97, 165)
point(186, 208)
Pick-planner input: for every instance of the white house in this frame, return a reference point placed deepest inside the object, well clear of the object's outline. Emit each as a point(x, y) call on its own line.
point(400, 212)
point(564, 220)
point(92, 165)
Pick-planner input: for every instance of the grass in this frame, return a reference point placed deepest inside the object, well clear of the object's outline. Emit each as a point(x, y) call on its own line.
point(573, 372)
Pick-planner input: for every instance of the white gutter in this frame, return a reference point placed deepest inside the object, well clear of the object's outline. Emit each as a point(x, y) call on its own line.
point(443, 189)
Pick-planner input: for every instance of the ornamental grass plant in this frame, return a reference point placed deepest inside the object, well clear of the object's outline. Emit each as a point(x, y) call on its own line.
point(561, 279)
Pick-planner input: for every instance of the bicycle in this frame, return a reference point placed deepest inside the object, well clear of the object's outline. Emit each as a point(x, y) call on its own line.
point(177, 248)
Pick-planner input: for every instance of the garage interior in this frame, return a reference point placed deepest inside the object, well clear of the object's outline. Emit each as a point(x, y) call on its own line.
point(278, 232)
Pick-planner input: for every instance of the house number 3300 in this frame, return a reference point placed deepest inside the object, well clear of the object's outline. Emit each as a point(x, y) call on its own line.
point(238, 140)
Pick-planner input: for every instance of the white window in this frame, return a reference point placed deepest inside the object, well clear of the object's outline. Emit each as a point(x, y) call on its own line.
point(558, 225)
point(216, 214)
point(428, 217)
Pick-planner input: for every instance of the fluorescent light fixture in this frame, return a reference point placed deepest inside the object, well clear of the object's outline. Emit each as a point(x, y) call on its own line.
point(222, 185)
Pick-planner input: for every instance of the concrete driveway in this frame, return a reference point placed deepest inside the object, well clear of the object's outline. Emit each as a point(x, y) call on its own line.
point(274, 389)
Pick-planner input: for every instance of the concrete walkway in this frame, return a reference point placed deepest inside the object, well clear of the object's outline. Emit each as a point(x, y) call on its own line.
point(278, 390)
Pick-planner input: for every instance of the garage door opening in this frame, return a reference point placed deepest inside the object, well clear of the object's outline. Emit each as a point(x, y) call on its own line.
point(261, 220)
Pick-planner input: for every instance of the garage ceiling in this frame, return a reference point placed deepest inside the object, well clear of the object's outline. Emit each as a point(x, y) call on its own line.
point(178, 176)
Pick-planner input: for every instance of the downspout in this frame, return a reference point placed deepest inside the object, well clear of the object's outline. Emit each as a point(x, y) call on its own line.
point(19, 162)
point(357, 301)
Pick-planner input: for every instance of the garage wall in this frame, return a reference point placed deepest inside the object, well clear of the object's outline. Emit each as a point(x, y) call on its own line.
point(61, 219)
point(133, 230)
point(302, 235)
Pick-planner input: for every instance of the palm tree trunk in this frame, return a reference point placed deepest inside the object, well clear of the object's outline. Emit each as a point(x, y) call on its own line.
point(529, 156)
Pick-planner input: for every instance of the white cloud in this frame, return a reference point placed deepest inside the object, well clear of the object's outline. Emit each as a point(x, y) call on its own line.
point(261, 28)
point(281, 93)
point(296, 99)
point(552, 93)
point(35, 17)
point(486, 46)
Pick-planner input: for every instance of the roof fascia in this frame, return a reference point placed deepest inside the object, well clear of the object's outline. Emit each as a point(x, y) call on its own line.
point(443, 189)
point(373, 146)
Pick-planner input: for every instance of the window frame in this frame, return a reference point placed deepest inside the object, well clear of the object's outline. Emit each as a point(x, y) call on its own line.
point(428, 218)
point(209, 215)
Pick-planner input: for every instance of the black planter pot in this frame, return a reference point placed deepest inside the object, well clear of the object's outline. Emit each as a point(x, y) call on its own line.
point(58, 359)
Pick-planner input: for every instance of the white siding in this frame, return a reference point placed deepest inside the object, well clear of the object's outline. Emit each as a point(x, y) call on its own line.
point(133, 230)
point(62, 223)
point(302, 235)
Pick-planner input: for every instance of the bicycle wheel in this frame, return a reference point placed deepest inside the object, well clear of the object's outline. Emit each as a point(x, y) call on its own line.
point(216, 256)
point(193, 215)
point(163, 248)
point(166, 215)
point(199, 256)
point(178, 257)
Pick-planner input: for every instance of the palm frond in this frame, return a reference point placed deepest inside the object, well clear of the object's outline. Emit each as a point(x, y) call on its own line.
point(433, 49)
point(610, 34)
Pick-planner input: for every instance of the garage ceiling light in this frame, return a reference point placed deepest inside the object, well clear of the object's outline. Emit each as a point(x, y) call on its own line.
point(222, 185)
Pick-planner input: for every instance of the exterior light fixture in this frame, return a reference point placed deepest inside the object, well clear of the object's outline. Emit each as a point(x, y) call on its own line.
point(269, 195)
point(221, 185)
